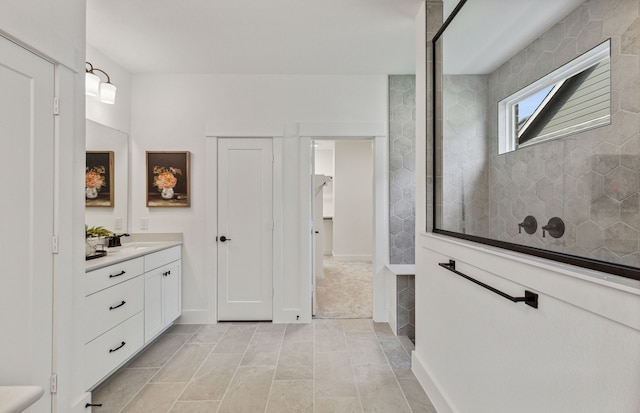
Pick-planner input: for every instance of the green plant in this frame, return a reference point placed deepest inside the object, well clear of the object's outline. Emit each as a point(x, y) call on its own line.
point(96, 232)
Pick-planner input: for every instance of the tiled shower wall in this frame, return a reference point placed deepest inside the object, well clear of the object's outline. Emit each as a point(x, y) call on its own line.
point(465, 199)
point(591, 179)
point(402, 155)
point(406, 299)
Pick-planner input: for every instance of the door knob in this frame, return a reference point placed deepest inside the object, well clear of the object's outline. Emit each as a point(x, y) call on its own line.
point(223, 239)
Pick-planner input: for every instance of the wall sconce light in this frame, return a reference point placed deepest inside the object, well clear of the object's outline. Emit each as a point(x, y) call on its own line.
point(94, 87)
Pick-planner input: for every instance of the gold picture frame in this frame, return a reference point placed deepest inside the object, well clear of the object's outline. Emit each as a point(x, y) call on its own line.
point(168, 179)
point(99, 181)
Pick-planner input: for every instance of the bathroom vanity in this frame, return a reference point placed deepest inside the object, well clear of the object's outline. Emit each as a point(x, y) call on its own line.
point(129, 297)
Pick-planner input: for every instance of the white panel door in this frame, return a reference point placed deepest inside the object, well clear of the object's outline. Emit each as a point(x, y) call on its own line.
point(26, 219)
point(245, 229)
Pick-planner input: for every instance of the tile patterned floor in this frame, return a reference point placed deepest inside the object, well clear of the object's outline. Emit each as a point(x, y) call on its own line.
point(328, 366)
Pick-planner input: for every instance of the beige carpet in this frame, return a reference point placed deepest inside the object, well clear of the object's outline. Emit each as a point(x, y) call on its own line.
point(345, 290)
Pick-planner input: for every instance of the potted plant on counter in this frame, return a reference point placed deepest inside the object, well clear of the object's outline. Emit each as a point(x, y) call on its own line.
point(95, 236)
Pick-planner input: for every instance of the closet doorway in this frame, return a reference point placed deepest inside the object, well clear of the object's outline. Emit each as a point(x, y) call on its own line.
point(343, 205)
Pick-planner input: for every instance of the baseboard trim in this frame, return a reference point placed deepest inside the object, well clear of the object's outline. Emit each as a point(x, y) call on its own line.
point(194, 317)
point(430, 386)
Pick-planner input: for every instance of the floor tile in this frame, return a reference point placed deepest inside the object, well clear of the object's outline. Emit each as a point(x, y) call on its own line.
point(211, 333)
point(415, 395)
point(328, 366)
point(183, 364)
point(296, 361)
point(187, 329)
point(212, 379)
point(156, 398)
point(235, 339)
point(358, 325)
point(206, 406)
point(378, 389)
point(288, 396)
point(160, 351)
point(398, 358)
point(331, 340)
point(269, 327)
point(328, 324)
point(263, 350)
point(120, 389)
point(364, 350)
point(338, 405)
point(383, 331)
point(334, 376)
point(249, 390)
point(299, 332)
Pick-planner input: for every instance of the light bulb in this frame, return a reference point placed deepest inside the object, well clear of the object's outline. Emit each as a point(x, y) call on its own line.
point(107, 93)
point(91, 84)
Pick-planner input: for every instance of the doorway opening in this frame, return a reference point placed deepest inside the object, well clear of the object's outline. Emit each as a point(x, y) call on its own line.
point(343, 215)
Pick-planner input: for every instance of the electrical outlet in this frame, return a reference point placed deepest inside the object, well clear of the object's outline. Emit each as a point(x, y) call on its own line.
point(117, 223)
point(144, 223)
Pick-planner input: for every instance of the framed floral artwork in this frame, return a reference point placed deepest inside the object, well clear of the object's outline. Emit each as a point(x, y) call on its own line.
point(98, 179)
point(168, 179)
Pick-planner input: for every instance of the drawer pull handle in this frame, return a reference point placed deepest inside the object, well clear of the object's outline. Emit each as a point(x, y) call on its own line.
point(117, 348)
point(123, 272)
point(118, 306)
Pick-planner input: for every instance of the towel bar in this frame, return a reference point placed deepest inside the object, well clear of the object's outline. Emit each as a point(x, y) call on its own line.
point(530, 298)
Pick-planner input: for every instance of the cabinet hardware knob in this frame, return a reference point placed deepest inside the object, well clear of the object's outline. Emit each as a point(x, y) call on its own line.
point(117, 275)
point(117, 348)
point(118, 306)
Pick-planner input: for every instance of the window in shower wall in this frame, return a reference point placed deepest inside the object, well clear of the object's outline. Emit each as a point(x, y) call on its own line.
point(588, 178)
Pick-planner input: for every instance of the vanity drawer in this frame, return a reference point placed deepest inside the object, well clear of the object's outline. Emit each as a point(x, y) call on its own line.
point(108, 308)
point(102, 278)
point(110, 350)
point(160, 258)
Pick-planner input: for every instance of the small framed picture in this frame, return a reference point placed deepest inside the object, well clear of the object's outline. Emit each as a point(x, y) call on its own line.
point(168, 179)
point(98, 179)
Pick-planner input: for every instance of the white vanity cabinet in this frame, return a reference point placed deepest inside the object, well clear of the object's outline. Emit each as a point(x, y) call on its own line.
point(125, 305)
point(162, 291)
point(113, 321)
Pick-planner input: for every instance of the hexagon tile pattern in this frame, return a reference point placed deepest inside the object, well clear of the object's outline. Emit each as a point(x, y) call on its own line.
point(590, 179)
point(402, 146)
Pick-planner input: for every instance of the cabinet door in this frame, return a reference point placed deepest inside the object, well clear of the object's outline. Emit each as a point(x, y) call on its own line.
point(153, 322)
point(172, 292)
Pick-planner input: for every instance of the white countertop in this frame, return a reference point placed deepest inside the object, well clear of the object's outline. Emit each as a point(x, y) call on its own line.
point(15, 399)
point(127, 251)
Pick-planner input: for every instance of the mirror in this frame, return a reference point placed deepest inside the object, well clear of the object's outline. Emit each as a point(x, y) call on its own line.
point(103, 139)
point(492, 57)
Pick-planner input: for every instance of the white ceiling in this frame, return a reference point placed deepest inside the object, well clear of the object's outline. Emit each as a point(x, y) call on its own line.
point(256, 36)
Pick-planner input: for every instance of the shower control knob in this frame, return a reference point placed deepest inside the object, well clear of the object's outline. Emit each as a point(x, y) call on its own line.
point(529, 224)
point(555, 228)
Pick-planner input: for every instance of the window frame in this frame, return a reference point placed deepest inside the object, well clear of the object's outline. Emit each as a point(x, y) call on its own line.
point(507, 129)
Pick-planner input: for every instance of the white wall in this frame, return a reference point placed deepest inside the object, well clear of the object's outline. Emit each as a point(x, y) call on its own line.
point(353, 191)
point(477, 352)
point(169, 112)
point(54, 28)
